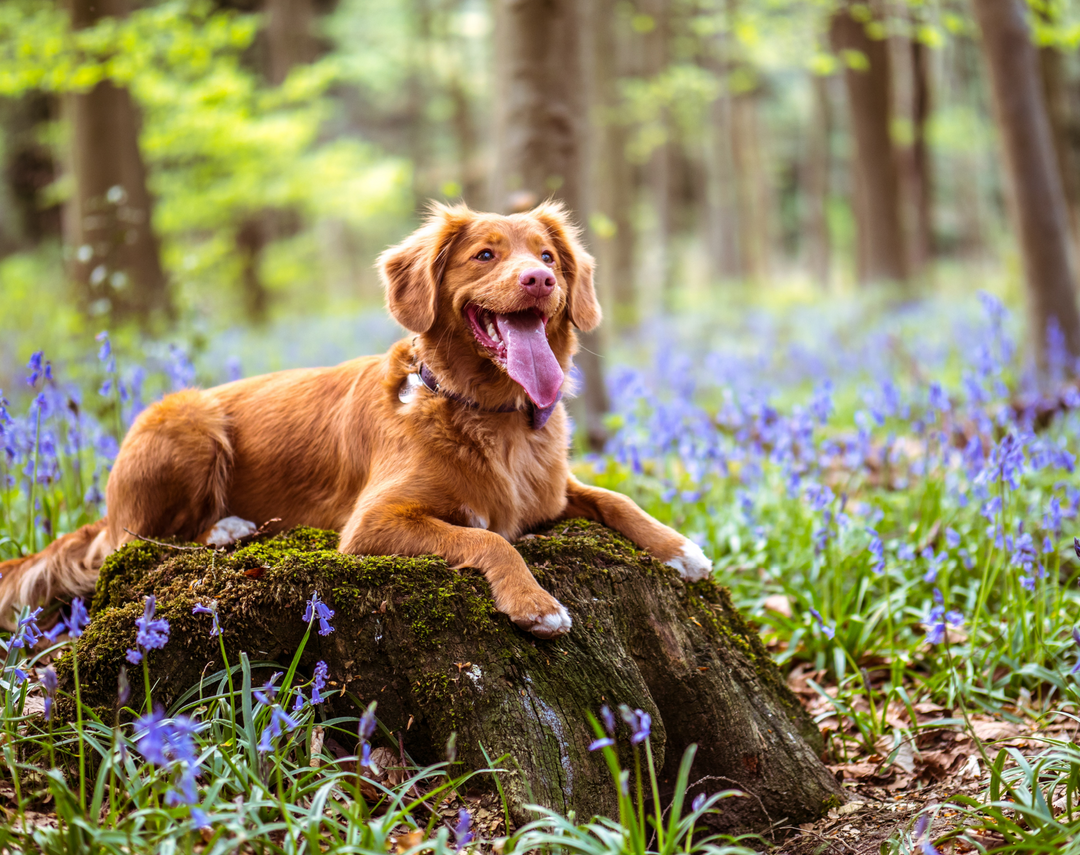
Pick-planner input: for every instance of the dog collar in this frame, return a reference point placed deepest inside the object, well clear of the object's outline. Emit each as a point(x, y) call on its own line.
point(538, 415)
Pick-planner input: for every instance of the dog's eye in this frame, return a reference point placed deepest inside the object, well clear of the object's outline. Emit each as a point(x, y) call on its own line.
point(484, 255)
point(547, 257)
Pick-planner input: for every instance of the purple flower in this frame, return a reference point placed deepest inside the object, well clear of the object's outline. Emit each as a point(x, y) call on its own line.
point(318, 609)
point(27, 631)
point(934, 563)
point(952, 538)
point(640, 723)
point(211, 610)
point(597, 744)
point(123, 687)
point(826, 630)
point(368, 722)
point(20, 675)
point(49, 684)
point(279, 719)
point(153, 633)
point(608, 718)
point(462, 833)
point(905, 552)
point(79, 618)
point(265, 696)
point(1076, 640)
point(699, 802)
point(877, 550)
point(1076, 546)
point(322, 671)
point(937, 620)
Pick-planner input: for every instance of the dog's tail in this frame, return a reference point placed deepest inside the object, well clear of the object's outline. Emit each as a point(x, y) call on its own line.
point(67, 568)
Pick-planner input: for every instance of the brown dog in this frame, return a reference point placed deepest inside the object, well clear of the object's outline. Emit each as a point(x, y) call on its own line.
point(452, 443)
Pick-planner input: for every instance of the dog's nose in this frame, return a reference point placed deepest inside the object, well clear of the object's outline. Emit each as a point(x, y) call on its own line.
point(538, 281)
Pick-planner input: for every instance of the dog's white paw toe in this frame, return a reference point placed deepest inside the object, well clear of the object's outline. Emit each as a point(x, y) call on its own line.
point(229, 530)
point(548, 626)
point(691, 562)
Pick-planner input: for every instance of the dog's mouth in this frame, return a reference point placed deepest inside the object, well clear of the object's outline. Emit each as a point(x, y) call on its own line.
point(518, 342)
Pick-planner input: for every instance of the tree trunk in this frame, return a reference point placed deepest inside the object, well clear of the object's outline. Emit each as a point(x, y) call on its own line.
point(1056, 90)
point(816, 186)
point(425, 642)
point(614, 183)
point(29, 168)
point(290, 39)
point(919, 171)
point(1039, 210)
point(877, 185)
point(541, 140)
point(108, 226)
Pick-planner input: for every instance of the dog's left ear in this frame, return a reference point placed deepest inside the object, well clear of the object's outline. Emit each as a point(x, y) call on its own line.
point(576, 265)
point(412, 271)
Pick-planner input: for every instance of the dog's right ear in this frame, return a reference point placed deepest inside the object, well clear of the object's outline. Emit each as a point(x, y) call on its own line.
point(412, 271)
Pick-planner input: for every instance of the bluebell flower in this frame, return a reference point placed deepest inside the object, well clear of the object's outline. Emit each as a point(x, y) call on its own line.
point(49, 684)
point(27, 632)
point(905, 552)
point(368, 722)
point(18, 673)
point(212, 610)
point(279, 720)
point(152, 633)
point(1076, 640)
point(105, 353)
point(318, 609)
point(463, 836)
point(265, 696)
point(79, 618)
point(937, 620)
point(608, 718)
point(322, 672)
point(699, 802)
point(952, 538)
point(640, 723)
point(934, 563)
point(604, 742)
point(826, 630)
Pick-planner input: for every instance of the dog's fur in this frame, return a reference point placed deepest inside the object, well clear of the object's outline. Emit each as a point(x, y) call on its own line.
point(394, 467)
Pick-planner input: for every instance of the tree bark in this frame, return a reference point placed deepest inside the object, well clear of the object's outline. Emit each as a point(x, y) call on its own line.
point(877, 185)
point(614, 181)
point(29, 168)
point(817, 185)
point(425, 642)
point(108, 223)
point(1039, 210)
point(919, 173)
point(1062, 128)
point(542, 123)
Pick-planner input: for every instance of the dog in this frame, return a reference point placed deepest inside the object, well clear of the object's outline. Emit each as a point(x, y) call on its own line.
point(454, 442)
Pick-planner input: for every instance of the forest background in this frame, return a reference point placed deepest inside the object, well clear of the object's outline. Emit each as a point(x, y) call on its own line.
point(186, 167)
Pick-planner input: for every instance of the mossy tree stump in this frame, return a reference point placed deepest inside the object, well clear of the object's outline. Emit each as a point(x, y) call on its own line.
point(426, 643)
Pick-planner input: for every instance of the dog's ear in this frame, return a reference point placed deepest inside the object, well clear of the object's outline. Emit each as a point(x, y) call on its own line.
point(412, 271)
point(576, 264)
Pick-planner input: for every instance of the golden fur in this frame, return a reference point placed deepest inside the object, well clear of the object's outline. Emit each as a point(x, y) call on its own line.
point(341, 448)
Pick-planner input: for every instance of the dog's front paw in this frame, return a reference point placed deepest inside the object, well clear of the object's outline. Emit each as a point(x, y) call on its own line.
point(544, 617)
point(691, 562)
point(229, 530)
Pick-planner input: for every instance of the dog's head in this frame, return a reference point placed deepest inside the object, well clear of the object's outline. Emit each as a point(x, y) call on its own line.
point(494, 299)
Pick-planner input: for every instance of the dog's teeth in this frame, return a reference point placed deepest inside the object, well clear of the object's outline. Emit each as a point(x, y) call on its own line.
point(491, 332)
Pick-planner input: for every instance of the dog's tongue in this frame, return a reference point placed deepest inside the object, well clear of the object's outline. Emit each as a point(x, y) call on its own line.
point(529, 360)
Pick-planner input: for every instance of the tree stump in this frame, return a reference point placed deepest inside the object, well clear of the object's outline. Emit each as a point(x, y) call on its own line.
point(426, 642)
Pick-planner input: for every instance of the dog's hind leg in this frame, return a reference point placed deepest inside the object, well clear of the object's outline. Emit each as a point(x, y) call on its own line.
point(383, 526)
point(65, 569)
point(172, 475)
point(622, 514)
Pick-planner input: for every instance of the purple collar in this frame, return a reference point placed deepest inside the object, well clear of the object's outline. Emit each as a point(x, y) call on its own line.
point(539, 417)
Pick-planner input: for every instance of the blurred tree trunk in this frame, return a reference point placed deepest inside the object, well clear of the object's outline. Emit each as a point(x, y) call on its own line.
point(614, 179)
point(29, 167)
point(1039, 209)
point(116, 257)
point(290, 41)
point(877, 184)
point(969, 201)
point(818, 170)
point(542, 123)
point(1062, 127)
point(660, 168)
point(751, 186)
point(918, 172)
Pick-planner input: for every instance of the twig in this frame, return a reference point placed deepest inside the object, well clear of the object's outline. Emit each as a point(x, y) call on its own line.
point(166, 545)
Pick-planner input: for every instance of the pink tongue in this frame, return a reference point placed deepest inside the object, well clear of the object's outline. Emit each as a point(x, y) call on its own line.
point(529, 360)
